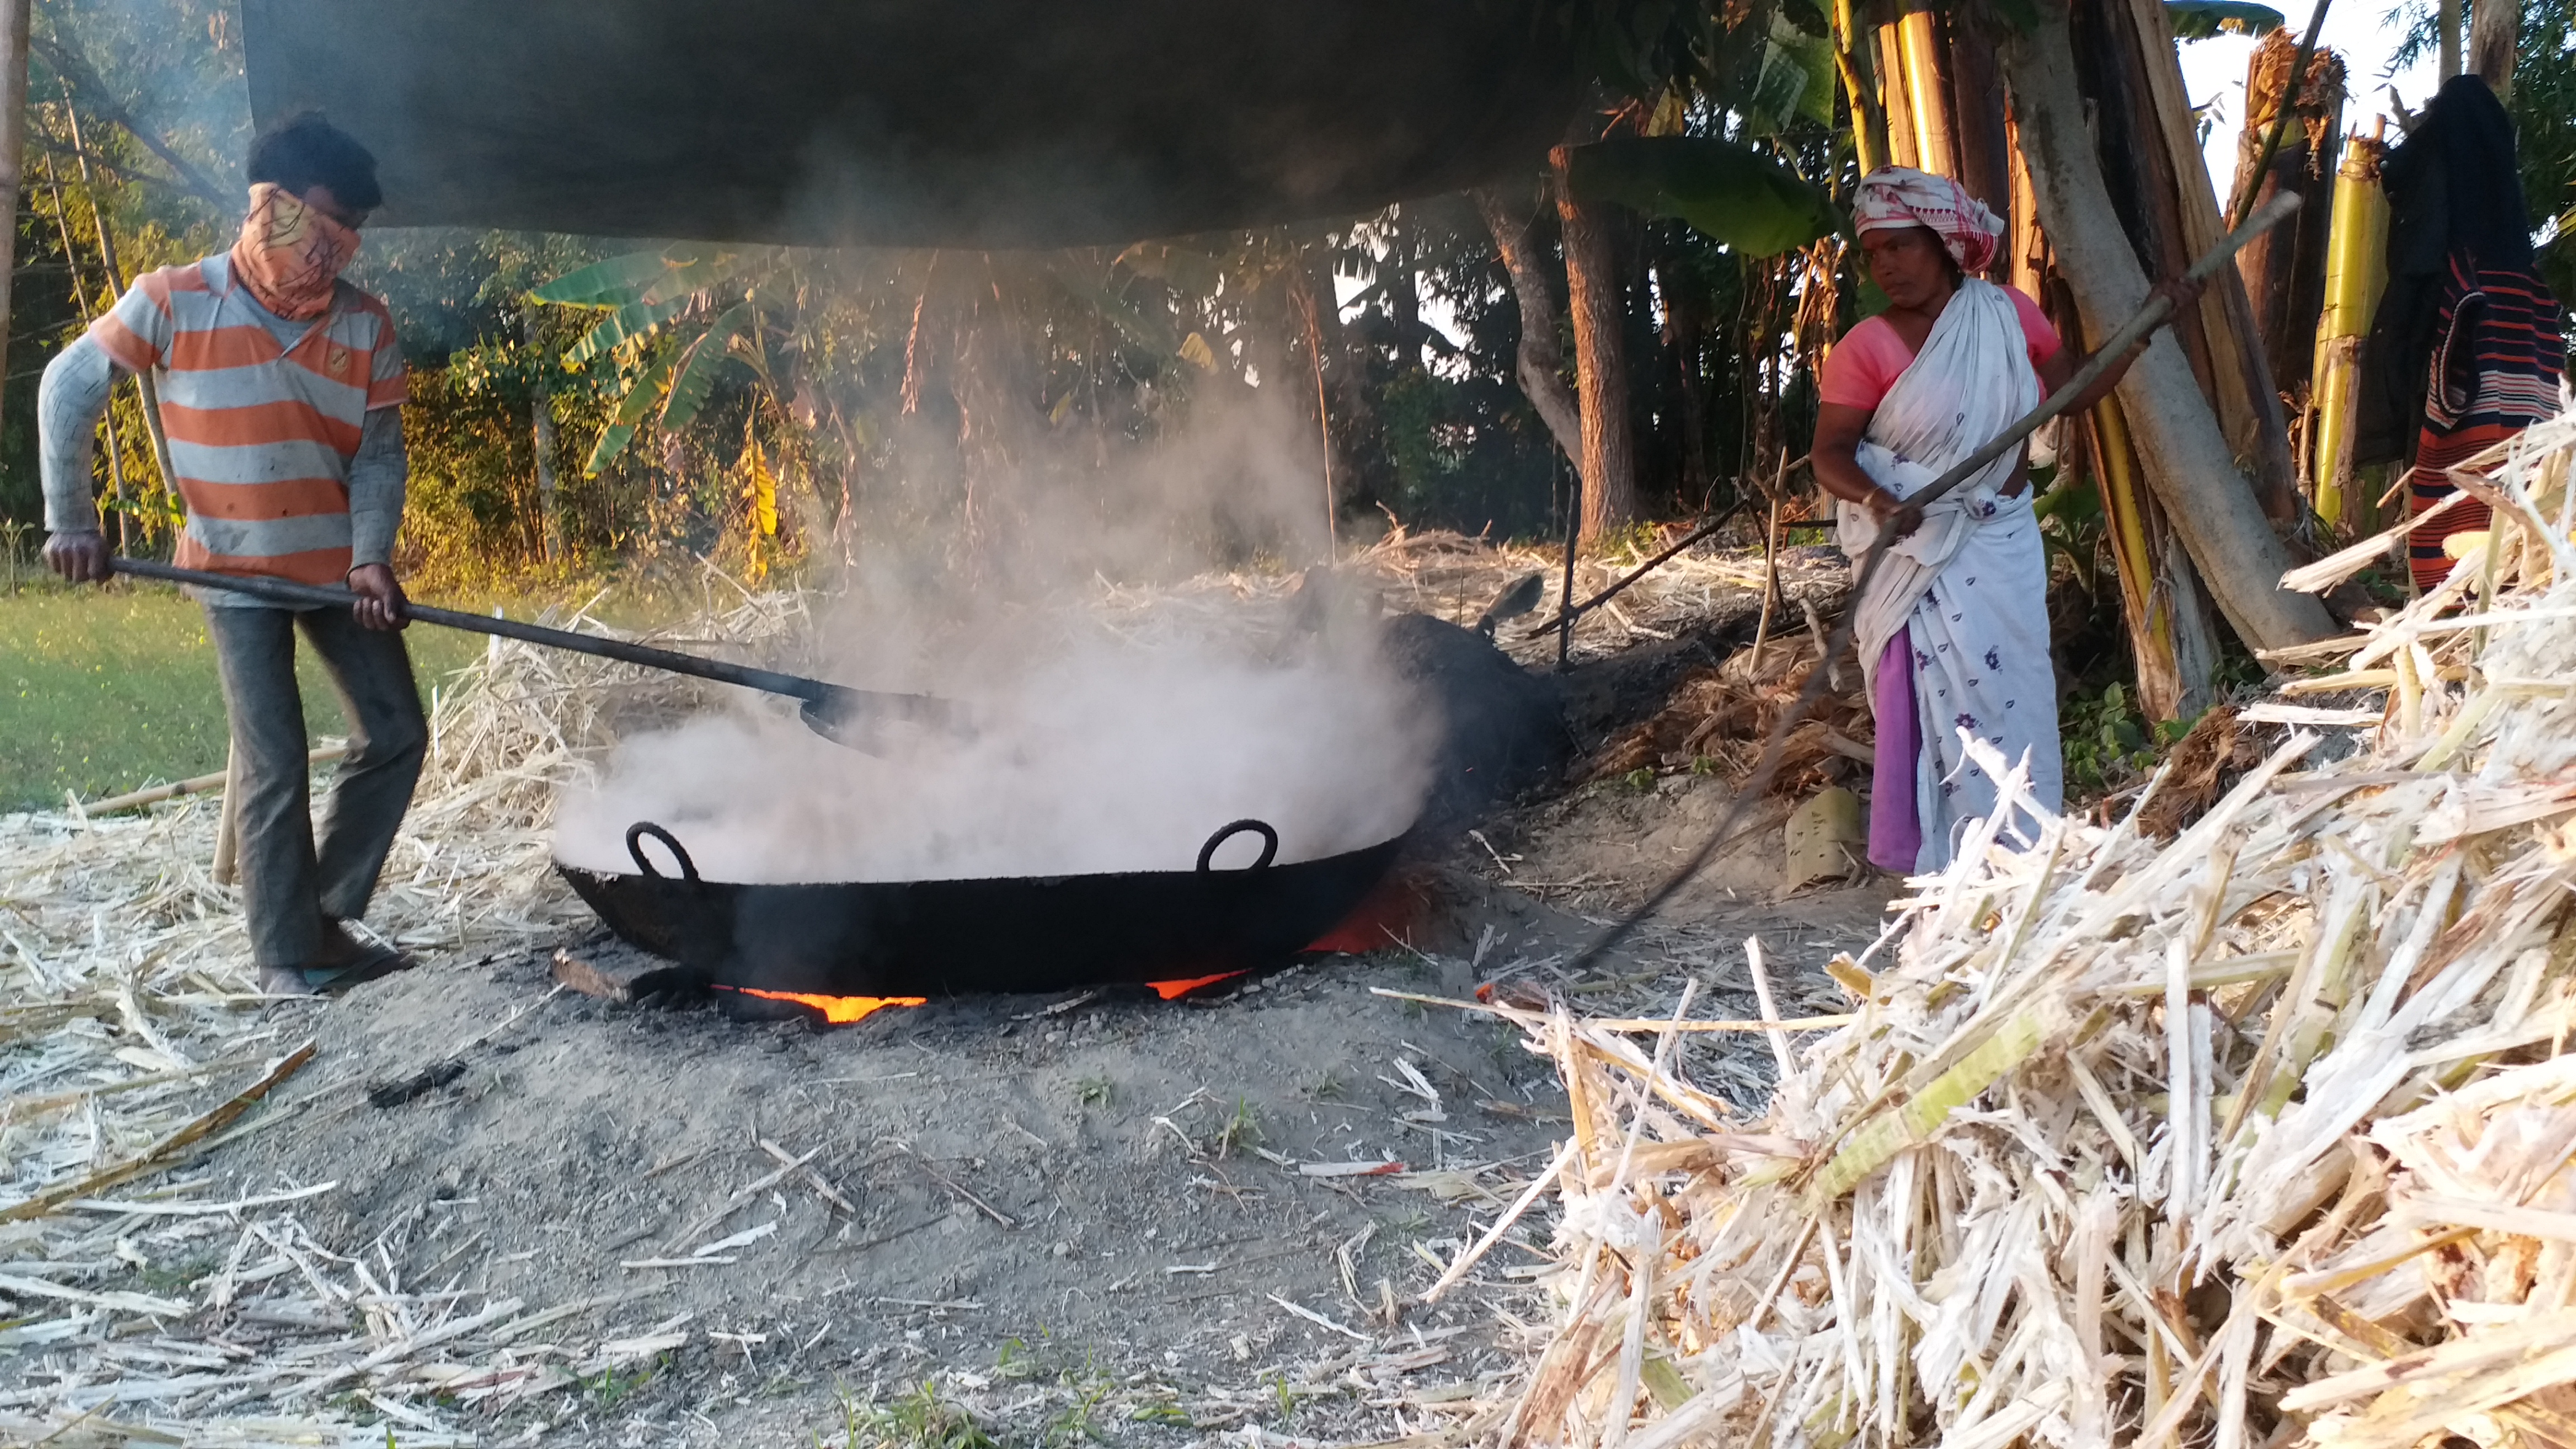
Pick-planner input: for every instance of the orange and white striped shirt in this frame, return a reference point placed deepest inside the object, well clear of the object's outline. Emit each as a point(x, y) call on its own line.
point(262, 428)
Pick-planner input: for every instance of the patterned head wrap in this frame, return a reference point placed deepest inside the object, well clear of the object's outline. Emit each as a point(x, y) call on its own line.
point(1893, 198)
point(289, 254)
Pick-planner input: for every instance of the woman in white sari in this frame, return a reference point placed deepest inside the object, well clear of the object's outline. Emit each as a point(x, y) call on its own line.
point(1953, 632)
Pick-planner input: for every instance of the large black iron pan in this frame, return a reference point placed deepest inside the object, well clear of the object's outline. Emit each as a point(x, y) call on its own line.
point(930, 938)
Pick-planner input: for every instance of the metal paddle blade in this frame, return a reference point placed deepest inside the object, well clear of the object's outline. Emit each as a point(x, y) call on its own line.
point(835, 720)
point(857, 719)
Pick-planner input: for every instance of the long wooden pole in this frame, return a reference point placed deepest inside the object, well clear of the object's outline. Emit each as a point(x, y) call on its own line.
point(80, 295)
point(920, 708)
point(143, 383)
point(14, 21)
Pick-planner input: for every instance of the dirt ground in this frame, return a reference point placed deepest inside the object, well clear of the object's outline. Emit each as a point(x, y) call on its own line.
point(1076, 1215)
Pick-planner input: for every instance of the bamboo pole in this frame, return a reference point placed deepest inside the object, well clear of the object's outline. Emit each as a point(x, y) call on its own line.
point(1927, 92)
point(2356, 272)
point(14, 23)
point(143, 383)
point(1860, 89)
point(80, 296)
point(195, 785)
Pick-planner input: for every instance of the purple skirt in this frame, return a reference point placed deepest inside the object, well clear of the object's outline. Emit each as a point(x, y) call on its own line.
point(1895, 829)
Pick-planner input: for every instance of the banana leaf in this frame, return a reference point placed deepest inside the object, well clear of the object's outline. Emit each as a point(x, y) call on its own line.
point(1730, 191)
point(2203, 19)
point(694, 375)
point(1140, 329)
point(640, 396)
point(615, 330)
point(1797, 78)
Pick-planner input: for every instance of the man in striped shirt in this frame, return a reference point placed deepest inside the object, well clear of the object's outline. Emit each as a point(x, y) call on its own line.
point(281, 392)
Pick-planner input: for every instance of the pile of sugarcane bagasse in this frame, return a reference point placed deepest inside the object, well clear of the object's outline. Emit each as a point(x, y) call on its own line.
point(2262, 1137)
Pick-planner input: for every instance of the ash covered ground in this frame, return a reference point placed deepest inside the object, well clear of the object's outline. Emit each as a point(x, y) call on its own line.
point(1068, 1213)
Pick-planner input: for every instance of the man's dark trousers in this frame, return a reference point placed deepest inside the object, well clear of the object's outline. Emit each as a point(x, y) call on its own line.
point(288, 888)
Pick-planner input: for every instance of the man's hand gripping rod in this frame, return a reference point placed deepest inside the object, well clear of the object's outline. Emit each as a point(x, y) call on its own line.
point(2158, 310)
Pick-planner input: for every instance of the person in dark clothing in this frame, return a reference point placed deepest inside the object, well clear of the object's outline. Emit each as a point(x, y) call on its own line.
point(2466, 349)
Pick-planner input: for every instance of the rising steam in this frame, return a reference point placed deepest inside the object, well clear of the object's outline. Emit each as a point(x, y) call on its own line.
point(1111, 735)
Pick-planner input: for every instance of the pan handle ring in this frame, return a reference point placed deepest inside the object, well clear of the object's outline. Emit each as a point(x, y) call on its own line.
point(1269, 843)
point(635, 834)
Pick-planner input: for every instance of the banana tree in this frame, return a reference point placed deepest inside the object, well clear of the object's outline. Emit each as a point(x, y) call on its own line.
point(711, 308)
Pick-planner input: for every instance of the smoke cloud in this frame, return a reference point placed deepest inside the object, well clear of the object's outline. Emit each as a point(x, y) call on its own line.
point(1116, 729)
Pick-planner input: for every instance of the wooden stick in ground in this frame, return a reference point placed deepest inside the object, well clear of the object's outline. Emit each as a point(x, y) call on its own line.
point(228, 822)
point(1641, 570)
point(1770, 580)
point(2156, 313)
point(1565, 599)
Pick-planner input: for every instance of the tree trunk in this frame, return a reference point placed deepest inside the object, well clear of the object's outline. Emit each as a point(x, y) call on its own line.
point(542, 417)
point(2284, 269)
point(2156, 171)
point(1595, 299)
point(13, 147)
point(2446, 30)
point(1977, 106)
point(1540, 364)
point(1684, 326)
point(2495, 36)
point(2188, 462)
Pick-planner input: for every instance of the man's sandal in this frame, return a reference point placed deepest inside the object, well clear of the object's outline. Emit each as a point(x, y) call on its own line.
point(344, 962)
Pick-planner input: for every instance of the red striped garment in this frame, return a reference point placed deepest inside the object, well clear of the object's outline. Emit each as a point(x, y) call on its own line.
point(261, 432)
point(2496, 364)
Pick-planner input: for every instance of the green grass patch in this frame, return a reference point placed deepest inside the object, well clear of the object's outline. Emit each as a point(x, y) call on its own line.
point(110, 689)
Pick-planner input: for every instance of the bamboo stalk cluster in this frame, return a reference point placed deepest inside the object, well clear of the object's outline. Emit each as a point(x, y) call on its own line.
point(2265, 1136)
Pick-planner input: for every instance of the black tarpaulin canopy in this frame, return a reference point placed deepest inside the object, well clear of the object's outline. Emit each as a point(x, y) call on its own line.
point(993, 123)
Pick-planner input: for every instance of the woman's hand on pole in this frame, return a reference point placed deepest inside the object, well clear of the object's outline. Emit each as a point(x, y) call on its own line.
point(1887, 507)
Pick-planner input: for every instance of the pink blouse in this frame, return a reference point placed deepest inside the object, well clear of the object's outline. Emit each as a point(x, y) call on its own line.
point(1866, 363)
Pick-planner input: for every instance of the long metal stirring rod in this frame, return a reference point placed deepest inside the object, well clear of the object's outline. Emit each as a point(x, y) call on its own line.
point(2157, 311)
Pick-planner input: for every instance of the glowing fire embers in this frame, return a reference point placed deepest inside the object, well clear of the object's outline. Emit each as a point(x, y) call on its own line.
point(838, 1010)
point(1175, 990)
point(848, 1010)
